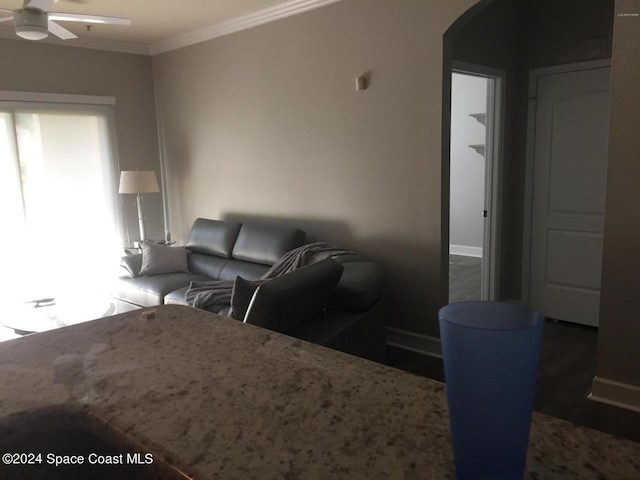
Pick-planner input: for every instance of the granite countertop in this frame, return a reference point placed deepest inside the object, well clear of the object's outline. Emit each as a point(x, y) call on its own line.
point(213, 398)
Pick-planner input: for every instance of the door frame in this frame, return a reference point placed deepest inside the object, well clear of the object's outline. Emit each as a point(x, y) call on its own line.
point(493, 172)
point(535, 74)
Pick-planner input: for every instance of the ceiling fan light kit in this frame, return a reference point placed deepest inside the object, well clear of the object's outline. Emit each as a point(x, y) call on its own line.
point(34, 22)
point(31, 24)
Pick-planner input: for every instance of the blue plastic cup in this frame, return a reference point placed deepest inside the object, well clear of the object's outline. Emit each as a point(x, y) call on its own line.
point(491, 352)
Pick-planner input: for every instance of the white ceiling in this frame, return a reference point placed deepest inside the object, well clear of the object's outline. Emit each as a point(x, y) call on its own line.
point(161, 25)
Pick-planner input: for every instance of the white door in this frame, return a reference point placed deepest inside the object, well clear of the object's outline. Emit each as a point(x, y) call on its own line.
point(570, 167)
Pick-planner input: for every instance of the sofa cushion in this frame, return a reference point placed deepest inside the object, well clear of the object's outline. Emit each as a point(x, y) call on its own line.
point(360, 286)
point(158, 259)
point(150, 291)
point(206, 265)
point(177, 297)
point(234, 268)
point(283, 302)
point(214, 237)
point(265, 244)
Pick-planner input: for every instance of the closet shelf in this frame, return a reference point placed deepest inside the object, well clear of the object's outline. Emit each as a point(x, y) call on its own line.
point(480, 148)
point(480, 117)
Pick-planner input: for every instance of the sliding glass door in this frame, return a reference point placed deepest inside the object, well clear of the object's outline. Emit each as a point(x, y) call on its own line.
point(59, 200)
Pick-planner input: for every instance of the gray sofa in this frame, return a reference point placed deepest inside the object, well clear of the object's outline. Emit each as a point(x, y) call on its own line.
point(337, 302)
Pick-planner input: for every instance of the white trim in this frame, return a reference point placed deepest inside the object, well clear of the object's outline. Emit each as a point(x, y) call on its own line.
point(465, 251)
point(493, 183)
point(535, 73)
point(475, 69)
point(527, 213)
point(527, 218)
point(615, 393)
point(414, 342)
point(41, 97)
point(244, 22)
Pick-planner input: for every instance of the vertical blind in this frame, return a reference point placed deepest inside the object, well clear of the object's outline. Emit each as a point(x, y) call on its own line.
point(60, 212)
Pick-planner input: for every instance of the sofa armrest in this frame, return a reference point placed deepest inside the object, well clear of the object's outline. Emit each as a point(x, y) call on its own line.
point(132, 264)
point(360, 287)
point(295, 297)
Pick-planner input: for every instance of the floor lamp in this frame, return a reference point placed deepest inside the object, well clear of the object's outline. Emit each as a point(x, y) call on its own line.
point(138, 182)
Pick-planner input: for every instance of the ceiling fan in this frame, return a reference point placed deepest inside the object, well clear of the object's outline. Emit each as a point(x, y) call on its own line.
point(34, 21)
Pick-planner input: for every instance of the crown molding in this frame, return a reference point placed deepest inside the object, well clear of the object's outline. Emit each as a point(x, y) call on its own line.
point(82, 42)
point(266, 15)
point(244, 22)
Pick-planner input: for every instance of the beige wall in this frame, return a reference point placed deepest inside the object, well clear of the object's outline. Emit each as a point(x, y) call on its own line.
point(619, 335)
point(266, 123)
point(36, 67)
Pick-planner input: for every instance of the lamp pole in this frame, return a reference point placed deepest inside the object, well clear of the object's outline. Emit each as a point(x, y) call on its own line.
point(138, 182)
point(139, 200)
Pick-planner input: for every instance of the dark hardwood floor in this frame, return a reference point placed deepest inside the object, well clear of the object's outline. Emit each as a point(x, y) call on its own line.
point(464, 278)
point(567, 366)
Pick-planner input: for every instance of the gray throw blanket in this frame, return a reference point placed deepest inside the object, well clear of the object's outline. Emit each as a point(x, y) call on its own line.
point(207, 294)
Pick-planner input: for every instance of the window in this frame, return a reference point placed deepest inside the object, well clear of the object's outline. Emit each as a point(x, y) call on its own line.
point(59, 203)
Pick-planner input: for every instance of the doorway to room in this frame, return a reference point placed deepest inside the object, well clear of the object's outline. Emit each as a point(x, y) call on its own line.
point(476, 93)
point(521, 37)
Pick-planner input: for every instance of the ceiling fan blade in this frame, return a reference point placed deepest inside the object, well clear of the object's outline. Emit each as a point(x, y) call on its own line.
point(61, 32)
point(6, 19)
point(40, 4)
point(78, 17)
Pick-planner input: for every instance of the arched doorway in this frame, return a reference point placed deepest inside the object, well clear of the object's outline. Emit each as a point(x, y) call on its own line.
point(472, 149)
point(509, 35)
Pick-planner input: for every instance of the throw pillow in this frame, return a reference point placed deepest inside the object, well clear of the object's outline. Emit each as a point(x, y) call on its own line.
point(157, 259)
point(241, 296)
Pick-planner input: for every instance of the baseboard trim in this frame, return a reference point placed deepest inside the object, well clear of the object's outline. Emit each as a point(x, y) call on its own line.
point(618, 394)
point(414, 342)
point(465, 251)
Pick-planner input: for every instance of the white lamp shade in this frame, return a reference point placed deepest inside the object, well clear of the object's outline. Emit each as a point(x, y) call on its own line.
point(138, 181)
